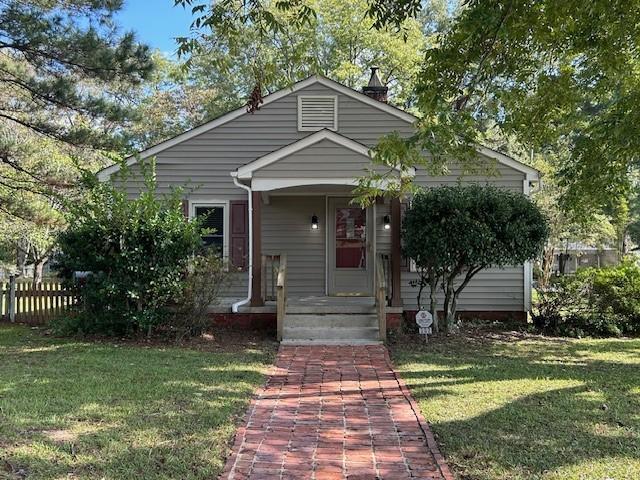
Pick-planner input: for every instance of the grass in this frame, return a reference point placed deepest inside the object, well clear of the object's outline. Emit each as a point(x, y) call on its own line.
point(517, 406)
point(75, 409)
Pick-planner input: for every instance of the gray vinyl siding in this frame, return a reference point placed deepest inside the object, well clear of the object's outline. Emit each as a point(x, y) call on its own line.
point(203, 164)
point(492, 289)
point(286, 228)
point(383, 237)
point(324, 159)
point(205, 161)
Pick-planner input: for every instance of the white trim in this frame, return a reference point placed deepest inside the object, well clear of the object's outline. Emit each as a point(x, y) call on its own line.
point(527, 267)
point(335, 112)
point(235, 306)
point(326, 245)
point(105, 173)
point(530, 172)
point(528, 280)
point(245, 172)
point(212, 202)
point(268, 184)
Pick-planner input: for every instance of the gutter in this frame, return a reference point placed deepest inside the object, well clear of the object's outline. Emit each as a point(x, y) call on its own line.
point(237, 305)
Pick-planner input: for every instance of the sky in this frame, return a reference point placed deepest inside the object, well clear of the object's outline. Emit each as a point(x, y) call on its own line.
point(156, 22)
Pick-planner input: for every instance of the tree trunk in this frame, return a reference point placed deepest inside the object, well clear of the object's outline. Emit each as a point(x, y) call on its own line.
point(547, 265)
point(38, 270)
point(433, 283)
point(453, 307)
point(448, 297)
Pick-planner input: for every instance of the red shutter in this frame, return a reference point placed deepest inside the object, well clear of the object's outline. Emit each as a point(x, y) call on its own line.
point(185, 208)
point(239, 234)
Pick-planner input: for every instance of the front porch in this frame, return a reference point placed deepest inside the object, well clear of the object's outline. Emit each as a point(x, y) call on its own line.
point(326, 267)
point(312, 251)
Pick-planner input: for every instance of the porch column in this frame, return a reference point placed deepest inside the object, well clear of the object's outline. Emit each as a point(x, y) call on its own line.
point(256, 249)
point(396, 253)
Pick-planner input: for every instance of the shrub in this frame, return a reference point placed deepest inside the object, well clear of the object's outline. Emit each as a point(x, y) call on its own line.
point(207, 275)
point(594, 302)
point(452, 233)
point(136, 250)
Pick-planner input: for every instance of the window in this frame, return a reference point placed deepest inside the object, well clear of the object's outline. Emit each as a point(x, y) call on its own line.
point(317, 112)
point(214, 218)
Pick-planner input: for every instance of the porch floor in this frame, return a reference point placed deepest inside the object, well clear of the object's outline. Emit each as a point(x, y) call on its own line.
point(310, 301)
point(313, 301)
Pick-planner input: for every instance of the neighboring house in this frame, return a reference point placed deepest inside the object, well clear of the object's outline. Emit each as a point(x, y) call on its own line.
point(574, 255)
point(279, 181)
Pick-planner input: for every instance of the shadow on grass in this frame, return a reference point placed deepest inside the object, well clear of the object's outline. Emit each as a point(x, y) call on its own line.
point(99, 410)
point(530, 409)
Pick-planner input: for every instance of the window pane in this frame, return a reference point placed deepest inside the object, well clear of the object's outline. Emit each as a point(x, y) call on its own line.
point(351, 237)
point(212, 218)
point(212, 241)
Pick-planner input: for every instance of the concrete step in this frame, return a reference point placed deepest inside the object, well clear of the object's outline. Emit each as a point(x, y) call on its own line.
point(331, 320)
point(329, 342)
point(330, 309)
point(346, 334)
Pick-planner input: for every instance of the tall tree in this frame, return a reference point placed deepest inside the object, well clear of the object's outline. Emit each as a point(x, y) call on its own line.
point(548, 72)
point(63, 65)
point(274, 48)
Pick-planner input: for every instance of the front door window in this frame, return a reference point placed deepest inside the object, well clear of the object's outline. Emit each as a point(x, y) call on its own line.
point(351, 238)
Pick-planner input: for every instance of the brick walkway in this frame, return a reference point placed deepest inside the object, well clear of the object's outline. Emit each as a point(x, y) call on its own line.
point(334, 413)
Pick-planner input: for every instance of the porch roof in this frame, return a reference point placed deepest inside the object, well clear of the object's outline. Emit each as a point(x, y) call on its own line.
point(322, 158)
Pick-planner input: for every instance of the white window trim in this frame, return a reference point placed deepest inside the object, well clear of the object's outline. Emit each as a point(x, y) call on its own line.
point(193, 204)
point(335, 113)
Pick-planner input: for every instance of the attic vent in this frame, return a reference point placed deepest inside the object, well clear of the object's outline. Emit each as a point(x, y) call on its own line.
point(316, 113)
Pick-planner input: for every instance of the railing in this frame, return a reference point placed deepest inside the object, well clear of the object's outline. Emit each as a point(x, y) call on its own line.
point(381, 297)
point(270, 267)
point(386, 266)
point(281, 302)
point(34, 304)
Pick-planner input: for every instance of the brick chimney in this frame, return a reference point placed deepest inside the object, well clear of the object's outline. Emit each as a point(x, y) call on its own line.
point(375, 89)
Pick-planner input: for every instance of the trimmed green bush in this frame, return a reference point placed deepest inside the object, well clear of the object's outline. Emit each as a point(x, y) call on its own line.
point(599, 302)
point(454, 232)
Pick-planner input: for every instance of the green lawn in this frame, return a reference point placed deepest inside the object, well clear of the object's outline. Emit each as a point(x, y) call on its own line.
point(524, 407)
point(72, 409)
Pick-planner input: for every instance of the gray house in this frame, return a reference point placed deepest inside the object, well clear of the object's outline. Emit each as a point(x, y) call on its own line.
point(276, 185)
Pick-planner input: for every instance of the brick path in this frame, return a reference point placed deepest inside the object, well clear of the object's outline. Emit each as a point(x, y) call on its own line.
point(334, 413)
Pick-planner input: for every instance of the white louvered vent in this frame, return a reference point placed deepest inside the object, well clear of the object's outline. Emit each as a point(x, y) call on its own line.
point(316, 113)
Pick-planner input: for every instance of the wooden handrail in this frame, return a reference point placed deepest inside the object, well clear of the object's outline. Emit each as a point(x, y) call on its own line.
point(381, 298)
point(281, 295)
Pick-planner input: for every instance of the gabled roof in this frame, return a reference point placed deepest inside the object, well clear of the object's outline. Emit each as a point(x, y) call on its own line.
point(314, 79)
point(530, 172)
point(105, 173)
point(245, 172)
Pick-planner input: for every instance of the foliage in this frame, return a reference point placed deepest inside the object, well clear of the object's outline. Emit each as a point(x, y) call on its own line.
point(595, 301)
point(44, 81)
point(453, 232)
point(207, 275)
point(136, 251)
point(63, 68)
point(123, 409)
point(229, 53)
point(559, 76)
point(488, 392)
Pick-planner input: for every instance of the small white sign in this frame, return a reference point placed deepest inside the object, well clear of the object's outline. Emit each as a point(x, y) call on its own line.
point(424, 319)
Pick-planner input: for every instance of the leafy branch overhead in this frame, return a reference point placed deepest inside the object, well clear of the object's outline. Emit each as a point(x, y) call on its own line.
point(550, 74)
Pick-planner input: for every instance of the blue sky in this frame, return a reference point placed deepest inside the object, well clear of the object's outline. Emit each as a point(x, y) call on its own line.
point(156, 22)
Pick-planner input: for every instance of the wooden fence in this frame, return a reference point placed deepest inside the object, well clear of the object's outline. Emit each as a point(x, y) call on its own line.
point(25, 302)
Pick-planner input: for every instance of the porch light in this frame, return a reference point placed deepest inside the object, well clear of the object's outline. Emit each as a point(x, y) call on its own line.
point(314, 222)
point(387, 222)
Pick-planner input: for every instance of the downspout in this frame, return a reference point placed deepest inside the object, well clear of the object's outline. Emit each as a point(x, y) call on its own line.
point(237, 305)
